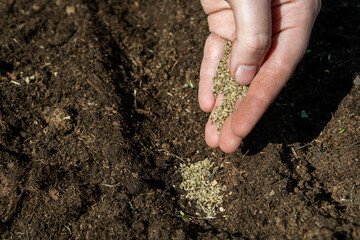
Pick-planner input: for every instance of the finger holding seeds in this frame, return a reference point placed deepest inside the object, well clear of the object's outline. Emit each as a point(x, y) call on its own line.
point(211, 130)
point(228, 141)
point(213, 52)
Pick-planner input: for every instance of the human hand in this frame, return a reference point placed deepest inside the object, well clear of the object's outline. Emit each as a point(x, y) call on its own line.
point(269, 39)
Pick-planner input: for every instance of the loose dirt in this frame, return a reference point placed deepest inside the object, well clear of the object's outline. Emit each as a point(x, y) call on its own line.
point(95, 121)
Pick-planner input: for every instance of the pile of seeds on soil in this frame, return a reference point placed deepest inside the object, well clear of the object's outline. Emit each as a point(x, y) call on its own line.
point(224, 84)
point(201, 187)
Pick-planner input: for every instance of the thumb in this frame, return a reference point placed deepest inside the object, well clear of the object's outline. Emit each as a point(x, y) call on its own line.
point(253, 37)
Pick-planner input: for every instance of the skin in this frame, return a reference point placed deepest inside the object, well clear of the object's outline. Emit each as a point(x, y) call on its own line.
point(269, 39)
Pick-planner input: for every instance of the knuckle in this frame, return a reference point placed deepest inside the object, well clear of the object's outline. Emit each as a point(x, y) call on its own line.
point(257, 43)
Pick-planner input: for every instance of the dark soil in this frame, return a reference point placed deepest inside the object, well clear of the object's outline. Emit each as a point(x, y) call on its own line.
point(93, 111)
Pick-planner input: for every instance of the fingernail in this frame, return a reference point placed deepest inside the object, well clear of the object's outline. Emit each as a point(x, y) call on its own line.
point(245, 74)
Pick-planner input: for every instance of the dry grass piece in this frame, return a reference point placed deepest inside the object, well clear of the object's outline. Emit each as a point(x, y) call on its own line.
point(224, 84)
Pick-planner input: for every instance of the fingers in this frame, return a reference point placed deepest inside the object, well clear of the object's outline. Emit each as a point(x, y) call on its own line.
point(222, 23)
point(212, 6)
point(253, 37)
point(285, 53)
point(211, 135)
point(226, 140)
point(287, 15)
point(213, 52)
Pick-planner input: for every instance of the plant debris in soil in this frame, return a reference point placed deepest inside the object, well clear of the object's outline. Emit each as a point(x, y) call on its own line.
point(224, 84)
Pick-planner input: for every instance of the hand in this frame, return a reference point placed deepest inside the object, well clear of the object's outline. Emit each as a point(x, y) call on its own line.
point(269, 39)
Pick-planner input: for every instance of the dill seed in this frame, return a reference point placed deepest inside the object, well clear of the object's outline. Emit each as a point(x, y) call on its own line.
point(224, 84)
point(200, 186)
